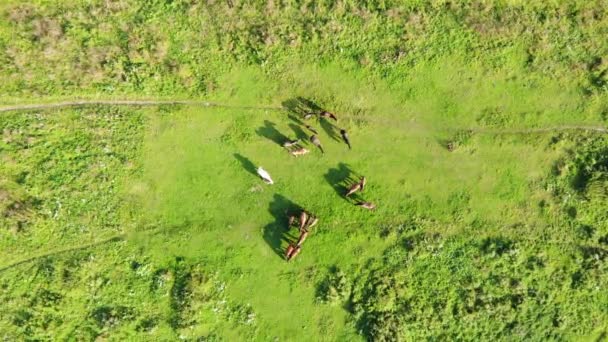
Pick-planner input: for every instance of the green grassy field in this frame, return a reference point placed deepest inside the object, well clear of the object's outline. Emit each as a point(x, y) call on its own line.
point(149, 222)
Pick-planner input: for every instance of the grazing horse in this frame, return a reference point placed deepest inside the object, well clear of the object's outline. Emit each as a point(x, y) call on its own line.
point(299, 152)
point(265, 175)
point(357, 186)
point(315, 140)
point(290, 143)
point(295, 252)
point(312, 221)
point(367, 205)
point(302, 238)
point(345, 137)
point(292, 219)
point(363, 181)
point(328, 115)
point(303, 219)
point(289, 251)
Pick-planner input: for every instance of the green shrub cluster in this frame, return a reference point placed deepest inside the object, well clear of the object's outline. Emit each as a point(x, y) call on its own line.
point(183, 47)
point(479, 288)
point(61, 172)
point(336, 289)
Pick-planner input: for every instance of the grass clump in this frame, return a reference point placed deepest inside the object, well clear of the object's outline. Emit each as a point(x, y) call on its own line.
point(336, 289)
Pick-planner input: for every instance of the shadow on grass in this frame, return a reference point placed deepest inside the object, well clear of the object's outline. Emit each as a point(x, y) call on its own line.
point(246, 163)
point(300, 134)
point(340, 178)
point(296, 120)
point(277, 231)
point(298, 107)
point(270, 132)
point(301, 106)
point(330, 129)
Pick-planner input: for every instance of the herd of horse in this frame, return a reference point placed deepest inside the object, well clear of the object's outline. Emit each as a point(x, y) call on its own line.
point(303, 220)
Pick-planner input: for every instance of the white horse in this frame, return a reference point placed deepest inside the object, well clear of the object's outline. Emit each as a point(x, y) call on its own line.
point(265, 175)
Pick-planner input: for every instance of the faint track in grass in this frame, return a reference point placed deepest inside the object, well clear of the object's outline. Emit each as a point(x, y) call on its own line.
point(147, 103)
point(111, 239)
point(14, 264)
point(135, 103)
point(598, 129)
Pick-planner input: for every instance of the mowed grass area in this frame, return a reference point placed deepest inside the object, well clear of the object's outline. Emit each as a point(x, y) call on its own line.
point(149, 223)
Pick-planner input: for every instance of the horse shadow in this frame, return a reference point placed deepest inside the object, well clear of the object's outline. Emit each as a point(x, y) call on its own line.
point(270, 132)
point(277, 232)
point(330, 129)
point(301, 106)
point(340, 178)
point(246, 164)
point(299, 132)
point(295, 119)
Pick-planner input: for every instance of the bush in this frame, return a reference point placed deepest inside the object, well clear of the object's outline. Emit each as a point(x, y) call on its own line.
point(589, 168)
point(335, 289)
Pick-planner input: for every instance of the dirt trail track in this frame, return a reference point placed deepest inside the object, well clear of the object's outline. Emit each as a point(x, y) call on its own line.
point(79, 103)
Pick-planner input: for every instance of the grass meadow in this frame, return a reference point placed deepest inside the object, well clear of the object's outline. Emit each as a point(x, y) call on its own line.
point(149, 222)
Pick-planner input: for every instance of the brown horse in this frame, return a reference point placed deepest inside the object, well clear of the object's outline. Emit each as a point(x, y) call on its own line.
point(328, 115)
point(359, 186)
point(367, 205)
point(299, 152)
point(312, 221)
point(295, 252)
point(303, 219)
point(302, 238)
point(289, 251)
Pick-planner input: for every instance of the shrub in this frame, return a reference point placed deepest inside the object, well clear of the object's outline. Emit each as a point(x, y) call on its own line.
point(335, 289)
